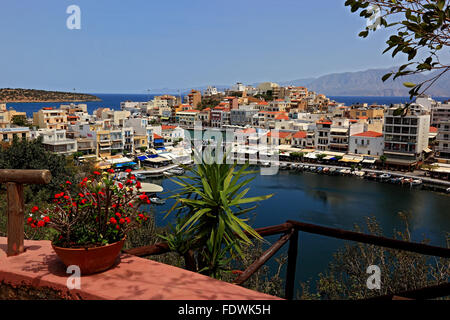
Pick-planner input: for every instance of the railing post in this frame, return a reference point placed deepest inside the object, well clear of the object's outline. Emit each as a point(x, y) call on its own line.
point(15, 179)
point(291, 267)
point(15, 218)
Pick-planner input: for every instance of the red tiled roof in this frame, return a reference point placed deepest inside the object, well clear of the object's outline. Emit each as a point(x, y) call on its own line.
point(164, 127)
point(299, 135)
point(279, 134)
point(369, 134)
point(324, 122)
point(157, 136)
point(282, 117)
point(362, 117)
point(433, 129)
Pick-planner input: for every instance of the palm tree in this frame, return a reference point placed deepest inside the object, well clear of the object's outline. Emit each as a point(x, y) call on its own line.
point(210, 215)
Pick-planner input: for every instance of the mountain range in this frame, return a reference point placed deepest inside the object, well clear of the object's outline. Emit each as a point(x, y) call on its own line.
point(360, 83)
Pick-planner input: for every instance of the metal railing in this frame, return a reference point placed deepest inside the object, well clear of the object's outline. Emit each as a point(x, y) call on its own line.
point(289, 233)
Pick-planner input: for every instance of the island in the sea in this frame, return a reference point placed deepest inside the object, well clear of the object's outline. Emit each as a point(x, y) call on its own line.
point(32, 95)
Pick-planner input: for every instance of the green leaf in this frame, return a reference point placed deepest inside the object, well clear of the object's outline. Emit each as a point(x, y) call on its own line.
point(409, 84)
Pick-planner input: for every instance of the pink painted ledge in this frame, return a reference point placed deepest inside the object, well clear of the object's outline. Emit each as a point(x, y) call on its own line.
point(133, 278)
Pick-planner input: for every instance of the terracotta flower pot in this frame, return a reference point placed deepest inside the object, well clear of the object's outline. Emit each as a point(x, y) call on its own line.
point(90, 260)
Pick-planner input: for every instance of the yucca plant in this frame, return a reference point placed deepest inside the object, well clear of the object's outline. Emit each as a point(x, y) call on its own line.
point(210, 213)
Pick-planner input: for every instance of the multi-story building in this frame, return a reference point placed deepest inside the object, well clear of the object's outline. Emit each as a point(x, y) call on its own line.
point(243, 115)
point(194, 98)
point(187, 118)
point(440, 112)
point(6, 116)
point(210, 91)
point(442, 150)
point(367, 143)
point(7, 134)
point(49, 118)
point(56, 141)
point(220, 116)
point(406, 136)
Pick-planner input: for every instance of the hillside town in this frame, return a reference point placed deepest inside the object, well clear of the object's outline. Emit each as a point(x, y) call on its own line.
point(295, 121)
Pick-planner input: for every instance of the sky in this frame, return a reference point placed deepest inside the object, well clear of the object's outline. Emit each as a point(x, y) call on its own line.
point(131, 46)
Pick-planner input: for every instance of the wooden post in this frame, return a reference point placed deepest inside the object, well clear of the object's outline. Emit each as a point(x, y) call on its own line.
point(14, 180)
point(291, 267)
point(15, 218)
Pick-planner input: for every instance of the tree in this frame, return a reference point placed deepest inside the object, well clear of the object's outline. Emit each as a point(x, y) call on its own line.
point(401, 270)
point(25, 154)
point(210, 206)
point(20, 120)
point(422, 31)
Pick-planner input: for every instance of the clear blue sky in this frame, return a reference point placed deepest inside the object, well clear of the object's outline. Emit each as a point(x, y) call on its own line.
point(129, 46)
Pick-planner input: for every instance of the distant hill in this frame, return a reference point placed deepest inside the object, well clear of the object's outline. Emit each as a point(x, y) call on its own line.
point(368, 83)
point(32, 95)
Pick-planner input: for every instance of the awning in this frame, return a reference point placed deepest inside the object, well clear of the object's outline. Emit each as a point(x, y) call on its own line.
point(142, 158)
point(125, 164)
point(427, 150)
point(329, 158)
point(369, 161)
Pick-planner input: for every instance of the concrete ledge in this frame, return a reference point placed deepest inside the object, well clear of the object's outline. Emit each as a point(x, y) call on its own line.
point(132, 279)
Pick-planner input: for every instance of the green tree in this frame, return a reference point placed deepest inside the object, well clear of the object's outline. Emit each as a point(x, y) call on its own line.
point(422, 30)
point(210, 210)
point(20, 120)
point(26, 154)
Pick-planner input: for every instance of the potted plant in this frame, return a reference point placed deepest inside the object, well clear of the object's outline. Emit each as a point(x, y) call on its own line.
point(92, 219)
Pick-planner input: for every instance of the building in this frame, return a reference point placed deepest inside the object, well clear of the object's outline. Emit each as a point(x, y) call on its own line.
point(210, 91)
point(406, 136)
point(442, 150)
point(299, 139)
point(6, 116)
point(49, 118)
point(367, 143)
point(187, 118)
point(242, 116)
point(279, 137)
point(194, 98)
point(268, 86)
point(8, 134)
point(56, 141)
point(238, 87)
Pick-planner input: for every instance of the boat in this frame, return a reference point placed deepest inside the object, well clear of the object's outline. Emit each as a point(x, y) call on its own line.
point(283, 166)
point(319, 169)
point(292, 166)
point(157, 200)
point(305, 168)
point(332, 170)
point(326, 170)
point(342, 171)
point(300, 167)
point(167, 174)
point(139, 176)
point(416, 182)
point(447, 190)
point(395, 180)
point(385, 176)
point(265, 164)
point(176, 171)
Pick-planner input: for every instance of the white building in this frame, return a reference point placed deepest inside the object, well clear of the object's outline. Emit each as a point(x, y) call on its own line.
point(56, 141)
point(210, 91)
point(406, 136)
point(443, 142)
point(367, 143)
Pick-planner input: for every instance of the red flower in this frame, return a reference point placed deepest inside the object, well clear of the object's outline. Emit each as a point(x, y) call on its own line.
point(143, 197)
point(118, 215)
point(74, 204)
point(33, 225)
point(46, 219)
point(111, 170)
point(148, 201)
point(83, 201)
point(141, 215)
point(66, 197)
point(68, 182)
point(127, 219)
point(97, 173)
point(120, 185)
point(85, 179)
point(81, 195)
point(132, 177)
point(128, 170)
point(29, 220)
point(41, 223)
point(113, 220)
point(138, 185)
point(122, 221)
point(130, 204)
point(34, 209)
point(129, 181)
point(118, 227)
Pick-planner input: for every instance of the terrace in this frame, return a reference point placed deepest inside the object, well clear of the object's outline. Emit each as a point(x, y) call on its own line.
point(30, 269)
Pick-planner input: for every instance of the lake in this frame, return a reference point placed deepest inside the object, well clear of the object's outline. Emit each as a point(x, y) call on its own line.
point(340, 202)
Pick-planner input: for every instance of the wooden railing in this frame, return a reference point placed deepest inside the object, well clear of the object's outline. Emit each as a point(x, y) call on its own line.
point(289, 233)
point(15, 179)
